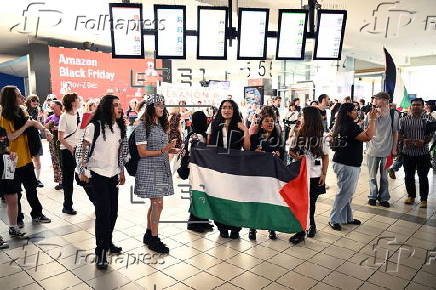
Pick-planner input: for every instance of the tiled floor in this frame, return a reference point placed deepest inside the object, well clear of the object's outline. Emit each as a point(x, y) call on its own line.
point(394, 248)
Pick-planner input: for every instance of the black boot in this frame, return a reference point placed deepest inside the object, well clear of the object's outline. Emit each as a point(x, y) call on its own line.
point(272, 235)
point(297, 238)
point(311, 232)
point(156, 245)
point(252, 235)
point(234, 235)
point(101, 259)
point(224, 234)
point(196, 227)
point(147, 237)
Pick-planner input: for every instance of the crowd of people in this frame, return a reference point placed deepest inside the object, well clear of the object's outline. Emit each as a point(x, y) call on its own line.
point(93, 142)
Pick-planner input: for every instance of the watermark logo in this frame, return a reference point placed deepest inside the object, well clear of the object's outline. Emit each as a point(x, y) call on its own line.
point(36, 15)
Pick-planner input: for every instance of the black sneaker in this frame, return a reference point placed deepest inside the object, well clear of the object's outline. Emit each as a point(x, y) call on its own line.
point(385, 204)
point(336, 227)
point(311, 232)
point(157, 246)
point(224, 234)
point(39, 184)
point(272, 235)
point(59, 187)
point(234, 235)
point(372, 202)
point(101, 260)
point(16, 233)
point(147, 237)
point(115, 250)
point(297, 238)
point(69, 211)
point(354, 222)
point(3, 244)
point(252, 235)
point(41, 220)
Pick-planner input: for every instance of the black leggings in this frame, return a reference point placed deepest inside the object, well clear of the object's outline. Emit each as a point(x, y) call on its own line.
point(68, 166)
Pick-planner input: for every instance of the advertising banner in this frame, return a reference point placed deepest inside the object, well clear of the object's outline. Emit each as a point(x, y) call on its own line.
point(93, 74)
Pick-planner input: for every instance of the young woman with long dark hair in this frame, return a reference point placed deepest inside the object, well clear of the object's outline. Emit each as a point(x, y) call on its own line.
point(310, 142)
point(153, 177)
point(15, 121)
point(267, 139)
point(349, 138)
point(101, 156)
point(227, 131)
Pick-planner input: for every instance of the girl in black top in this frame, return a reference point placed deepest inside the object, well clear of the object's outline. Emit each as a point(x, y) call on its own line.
point(267, 139)
point(227, 131)
point(32, 106)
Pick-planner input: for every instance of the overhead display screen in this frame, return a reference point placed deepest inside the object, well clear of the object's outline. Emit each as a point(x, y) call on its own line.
point(291, 39)
point(252, 29)
point(126, 30)
point(211, 41)
point(330, 34)
point(170, 42)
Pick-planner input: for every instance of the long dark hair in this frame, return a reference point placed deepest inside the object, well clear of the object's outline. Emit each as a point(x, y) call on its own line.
point(219, 119)
point(11, 110)
point(149, 115)
point(312, 131)
point(342, 117)
point(104, 114)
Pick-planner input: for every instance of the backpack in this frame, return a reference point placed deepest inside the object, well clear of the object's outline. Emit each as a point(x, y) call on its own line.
point(184, 170)
point(132, 165)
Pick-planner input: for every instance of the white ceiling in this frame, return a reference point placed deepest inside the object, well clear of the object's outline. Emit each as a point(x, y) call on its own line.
point(406, 36)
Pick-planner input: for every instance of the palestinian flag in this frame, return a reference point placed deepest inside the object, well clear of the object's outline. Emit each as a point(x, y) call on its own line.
point(249, 189)
point(394, 84)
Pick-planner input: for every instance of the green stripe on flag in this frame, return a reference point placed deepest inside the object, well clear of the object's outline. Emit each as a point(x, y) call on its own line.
point(405, 102)
point(267, 216)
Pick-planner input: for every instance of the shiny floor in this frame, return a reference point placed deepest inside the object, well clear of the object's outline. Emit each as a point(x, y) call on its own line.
point(394, 248)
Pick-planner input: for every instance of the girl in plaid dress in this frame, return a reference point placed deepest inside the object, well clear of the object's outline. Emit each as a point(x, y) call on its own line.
point(153, 176)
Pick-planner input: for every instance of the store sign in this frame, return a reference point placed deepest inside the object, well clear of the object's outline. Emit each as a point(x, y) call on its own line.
point(93, 74)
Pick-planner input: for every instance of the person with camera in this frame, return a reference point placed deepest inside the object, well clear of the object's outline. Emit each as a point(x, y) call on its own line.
point(380, 147)
point(347, 161)
point(416, 153)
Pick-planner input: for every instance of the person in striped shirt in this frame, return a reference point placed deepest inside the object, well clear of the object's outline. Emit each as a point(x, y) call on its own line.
point(416, 151)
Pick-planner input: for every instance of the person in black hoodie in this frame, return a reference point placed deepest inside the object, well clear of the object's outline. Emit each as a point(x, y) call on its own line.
point(227, 131)
point(267, 139)
point(197, 135)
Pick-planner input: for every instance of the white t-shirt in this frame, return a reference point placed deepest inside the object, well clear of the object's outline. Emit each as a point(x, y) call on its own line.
point(68, 124)
point(223, 133)
point(104, 159)
point(316, 170)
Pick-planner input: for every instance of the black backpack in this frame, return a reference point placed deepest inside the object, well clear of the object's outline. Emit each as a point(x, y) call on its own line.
point(132, 165)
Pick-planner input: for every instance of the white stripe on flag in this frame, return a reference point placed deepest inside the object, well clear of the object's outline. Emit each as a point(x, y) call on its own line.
point(238, 188)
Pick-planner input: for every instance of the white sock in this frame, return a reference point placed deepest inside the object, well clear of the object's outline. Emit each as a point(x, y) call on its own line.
point(38, 173)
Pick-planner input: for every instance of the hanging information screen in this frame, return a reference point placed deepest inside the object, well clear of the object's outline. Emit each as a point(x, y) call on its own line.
point(170, 42)
point(211, 25)
point(330, 34)
point(252, 29)
point(127, 39)
point(291, 39)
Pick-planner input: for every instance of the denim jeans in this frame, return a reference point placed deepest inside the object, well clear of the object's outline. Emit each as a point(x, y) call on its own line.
point(376, 164)
point(347, 177)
